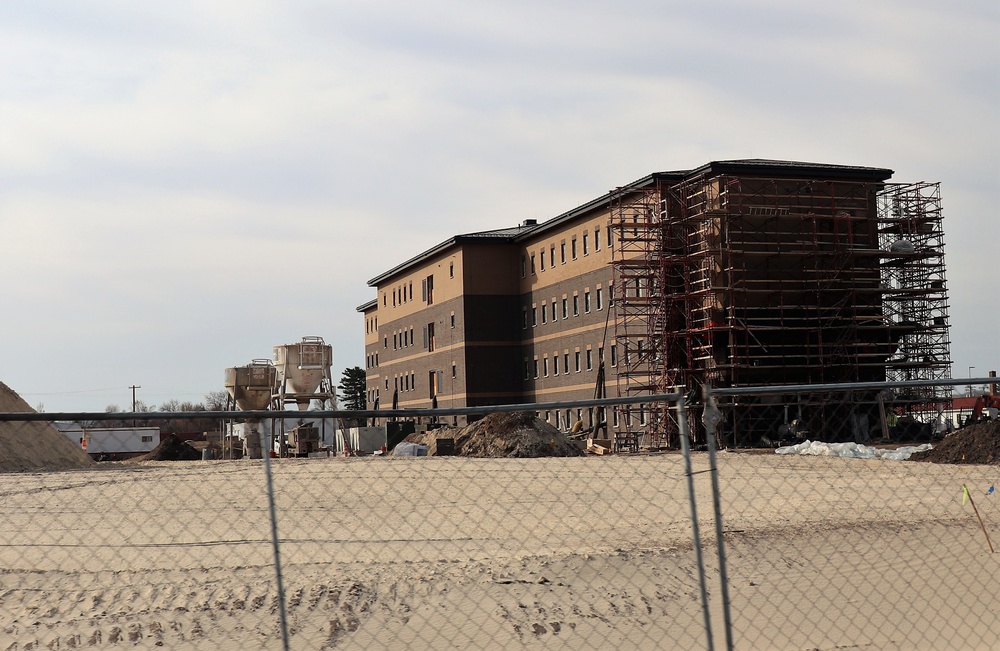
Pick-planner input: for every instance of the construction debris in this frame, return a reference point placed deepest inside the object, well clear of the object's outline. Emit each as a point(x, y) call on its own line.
point(171, 448)
point(976, 444)
point(501, 435)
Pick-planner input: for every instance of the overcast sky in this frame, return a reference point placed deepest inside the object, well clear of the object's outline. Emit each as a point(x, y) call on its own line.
point(184, 185)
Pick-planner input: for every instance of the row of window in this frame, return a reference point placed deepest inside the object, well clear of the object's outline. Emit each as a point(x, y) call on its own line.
point(404, 293)
point(408, 381)
point(528, 260)
point(531, 370)
point(551, 311)
point(371, 360)
point(564, 419)
point(574, 362)
point(371, 325)
point(404, 338)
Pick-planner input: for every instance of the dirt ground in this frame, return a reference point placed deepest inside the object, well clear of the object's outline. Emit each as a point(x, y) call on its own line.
point(542, 553)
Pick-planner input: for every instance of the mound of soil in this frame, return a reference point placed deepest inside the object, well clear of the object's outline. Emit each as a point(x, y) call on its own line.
point(978, 444)
point(516, 434)
point(34, 445)
point(171, 448)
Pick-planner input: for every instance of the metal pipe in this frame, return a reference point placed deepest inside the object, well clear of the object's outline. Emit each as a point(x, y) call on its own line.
point(686, 451)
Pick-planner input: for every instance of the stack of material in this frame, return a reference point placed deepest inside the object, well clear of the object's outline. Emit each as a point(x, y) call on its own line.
point(171, 448)
point(34, 445)
point(979, 444)
point(504, 435)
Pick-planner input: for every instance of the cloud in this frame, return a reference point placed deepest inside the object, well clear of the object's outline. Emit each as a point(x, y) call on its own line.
point(206, 180)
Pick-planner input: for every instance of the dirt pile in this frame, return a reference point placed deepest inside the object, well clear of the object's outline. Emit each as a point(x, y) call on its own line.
point(979, 444)
point(504, 435)
point(171, 448)
point(34, 445)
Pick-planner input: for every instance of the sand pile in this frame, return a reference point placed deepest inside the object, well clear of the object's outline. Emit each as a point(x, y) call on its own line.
point(979, 444)
point(35, 445)
point(171, 448)
point(504, 435)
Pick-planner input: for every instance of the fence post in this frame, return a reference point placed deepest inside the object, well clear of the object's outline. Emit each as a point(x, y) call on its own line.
point(711, 418)
point(274, 542)
point(683, 434)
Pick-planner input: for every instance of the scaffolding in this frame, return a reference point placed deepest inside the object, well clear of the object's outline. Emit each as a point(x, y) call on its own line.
point(916, 292)
point(736, 280)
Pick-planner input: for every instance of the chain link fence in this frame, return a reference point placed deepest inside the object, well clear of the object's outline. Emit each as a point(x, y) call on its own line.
point(743, 548)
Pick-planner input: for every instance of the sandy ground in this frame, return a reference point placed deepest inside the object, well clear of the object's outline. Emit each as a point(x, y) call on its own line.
point(454, 553)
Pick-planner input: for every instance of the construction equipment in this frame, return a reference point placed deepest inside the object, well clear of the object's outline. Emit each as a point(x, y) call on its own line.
point(302, 440)
point(983, 402)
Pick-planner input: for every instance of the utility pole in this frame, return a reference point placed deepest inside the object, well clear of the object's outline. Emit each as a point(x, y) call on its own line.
point(134, 387)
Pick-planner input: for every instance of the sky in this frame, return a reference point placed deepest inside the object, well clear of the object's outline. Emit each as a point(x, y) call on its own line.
point(184, 185)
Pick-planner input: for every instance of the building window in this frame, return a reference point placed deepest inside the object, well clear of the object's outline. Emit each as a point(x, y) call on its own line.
point(576, 305)
point(586, 302)
point(534, 316)
point(552, 255)
point(576, 361)
point(597, 238)
point(541, 259)
point(590, 360)
point(395, 341)
point(614, 354)
point(555, 364)
point(572, 247)
point(454, 370)
point(524, 266)
point(526, 369)
point(610, 241)
point(451, 269)
point(642, 414)
point(586, 248)
point(553, 308)
point(427, 290)
point(598, 298)
point(524, 318)
point(452, 319)
point(532, 264)
point(545, 366)
point(615, 412)
point(565, 306)
point(385, 342)
point(543, 313)
point(566, 361)
point(536, 368)
point(562, 251)
point(429, 337)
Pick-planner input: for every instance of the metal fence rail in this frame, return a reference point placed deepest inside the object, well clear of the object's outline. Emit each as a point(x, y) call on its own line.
point(697, 548)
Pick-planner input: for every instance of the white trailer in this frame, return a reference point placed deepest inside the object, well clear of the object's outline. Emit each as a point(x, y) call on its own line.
point(128, 441)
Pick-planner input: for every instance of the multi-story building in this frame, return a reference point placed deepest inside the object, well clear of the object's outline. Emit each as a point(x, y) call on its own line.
point(736, 273)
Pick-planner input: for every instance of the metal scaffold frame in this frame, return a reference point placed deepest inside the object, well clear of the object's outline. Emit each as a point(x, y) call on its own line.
point(916, 291)
point(742, 280)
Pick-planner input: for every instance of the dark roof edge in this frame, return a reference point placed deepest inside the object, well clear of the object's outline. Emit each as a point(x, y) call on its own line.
point(603, 200)
point(364, 307)
point(792, 169)
point(495, 236)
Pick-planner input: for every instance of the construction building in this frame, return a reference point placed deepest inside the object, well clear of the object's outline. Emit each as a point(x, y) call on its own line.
point(736, 274)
